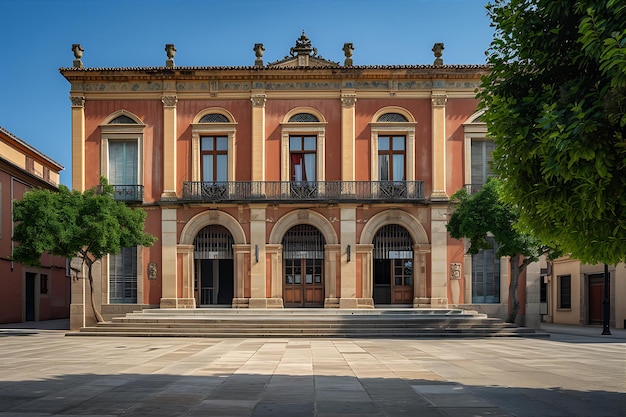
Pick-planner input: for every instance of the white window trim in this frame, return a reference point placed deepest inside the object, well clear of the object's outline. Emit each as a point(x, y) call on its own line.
point(309, 128)
point(394, 129)
point(212, 129)
point(126, 132)
point(473, 131)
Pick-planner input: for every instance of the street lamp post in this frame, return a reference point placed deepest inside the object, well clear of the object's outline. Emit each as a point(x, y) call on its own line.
point(606, 303)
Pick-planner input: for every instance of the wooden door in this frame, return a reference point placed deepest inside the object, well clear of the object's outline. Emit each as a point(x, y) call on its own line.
point(402, 282)
point(596, 295)
point(304, 283)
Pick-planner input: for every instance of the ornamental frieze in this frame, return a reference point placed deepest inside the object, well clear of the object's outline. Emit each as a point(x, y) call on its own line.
point(242, 86)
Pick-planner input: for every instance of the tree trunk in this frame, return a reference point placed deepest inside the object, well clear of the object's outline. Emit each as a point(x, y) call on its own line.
point(513, 284)
point(96, 313)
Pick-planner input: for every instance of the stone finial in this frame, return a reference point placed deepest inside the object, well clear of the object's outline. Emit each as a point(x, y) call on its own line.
point(258, 52)
point(348, 49)
point(170, 50)
point(438, 50)
point(78, 54)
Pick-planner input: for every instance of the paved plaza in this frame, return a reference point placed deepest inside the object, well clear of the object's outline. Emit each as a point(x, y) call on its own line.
point(45, 373)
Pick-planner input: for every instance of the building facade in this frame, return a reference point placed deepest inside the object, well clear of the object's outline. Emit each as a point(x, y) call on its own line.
point(27, 293)
point(298, 183)
point(575, 293)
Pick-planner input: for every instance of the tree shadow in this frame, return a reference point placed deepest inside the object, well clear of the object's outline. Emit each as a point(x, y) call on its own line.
point(262, 395)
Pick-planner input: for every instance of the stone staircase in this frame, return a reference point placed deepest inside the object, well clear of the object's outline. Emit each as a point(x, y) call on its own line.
point(379, 322)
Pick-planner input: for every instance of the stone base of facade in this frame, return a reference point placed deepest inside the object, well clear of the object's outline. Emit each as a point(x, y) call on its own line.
point(356, 303)
point(331, 303)
point(240, 302)
point(117, 310)
point(77, 312)
point(178, 303)
point(265, 303)
point(424, 302)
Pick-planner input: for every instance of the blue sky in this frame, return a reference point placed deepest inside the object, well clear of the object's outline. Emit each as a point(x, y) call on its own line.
point(38, 35)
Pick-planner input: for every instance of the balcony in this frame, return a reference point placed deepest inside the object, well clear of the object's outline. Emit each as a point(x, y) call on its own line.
point(128, 193)
point(307, 192)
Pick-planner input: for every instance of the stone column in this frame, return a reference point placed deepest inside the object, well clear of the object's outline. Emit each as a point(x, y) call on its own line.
point(348, 128)
point(439, 255)
point(258, 136)
point(365, 251)
point(173, 291)
point(186, 252)
point(78, 143)
point(421, 298)
point(439, 99)
point(332, 252)
point(349, 296)
point(240, 252)
point(258, 287)
point(169, 147)
point(275, 254)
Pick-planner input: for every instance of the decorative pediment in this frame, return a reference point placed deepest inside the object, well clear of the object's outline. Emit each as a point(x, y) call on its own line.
point(303, 54)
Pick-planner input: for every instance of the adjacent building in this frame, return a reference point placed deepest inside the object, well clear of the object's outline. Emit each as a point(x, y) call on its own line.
point(297, 183)
point(27, 293)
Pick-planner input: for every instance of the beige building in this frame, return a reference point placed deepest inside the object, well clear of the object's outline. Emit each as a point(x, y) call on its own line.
point(576, 292)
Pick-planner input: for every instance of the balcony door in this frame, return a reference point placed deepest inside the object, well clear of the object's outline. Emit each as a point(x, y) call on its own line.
point(124, 168)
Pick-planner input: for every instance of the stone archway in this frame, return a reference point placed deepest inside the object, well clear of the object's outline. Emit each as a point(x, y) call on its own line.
point(421, 246)
point(185, 247)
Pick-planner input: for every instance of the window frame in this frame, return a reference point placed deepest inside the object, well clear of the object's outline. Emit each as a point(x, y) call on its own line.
point(317, 129)
point(199, 130)
point(406, 129)
point(215, 153)
point(137, 277)
point(121, 132)
point(391, 152)
point(560, 299)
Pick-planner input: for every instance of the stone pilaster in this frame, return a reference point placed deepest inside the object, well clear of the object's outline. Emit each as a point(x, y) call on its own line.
point(348, 129)
point(78, 143)
point(258, 136)
point(169, 147)
point(258, 287)
point(439, 99)
point(439, 255)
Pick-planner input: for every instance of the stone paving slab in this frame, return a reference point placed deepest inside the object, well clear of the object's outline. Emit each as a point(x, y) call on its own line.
point(45, 374)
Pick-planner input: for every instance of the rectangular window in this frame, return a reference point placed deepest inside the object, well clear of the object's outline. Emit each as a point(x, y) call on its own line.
point(565, 291)
point(302, 157)
point(43, 284)
point(214, 158)
point(391, 158)
point(123, 162)
point(481, 162)
point(123, 277)
point(486, 275)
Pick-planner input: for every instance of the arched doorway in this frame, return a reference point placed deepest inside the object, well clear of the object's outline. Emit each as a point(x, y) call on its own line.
point(303, 257)
point(214, 272)
point(393, 265)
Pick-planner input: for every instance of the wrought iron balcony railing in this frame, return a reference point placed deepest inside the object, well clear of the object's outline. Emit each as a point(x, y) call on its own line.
point(128, 193)
point(299, 191)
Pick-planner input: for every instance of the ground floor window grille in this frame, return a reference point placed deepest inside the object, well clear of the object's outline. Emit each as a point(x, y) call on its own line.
point(565, 291)
point(123, 277)
point(486, 275)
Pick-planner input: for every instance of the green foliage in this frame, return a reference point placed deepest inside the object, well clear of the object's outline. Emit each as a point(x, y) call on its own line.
point(483, 212)
point(556, 107)
point(70, 224)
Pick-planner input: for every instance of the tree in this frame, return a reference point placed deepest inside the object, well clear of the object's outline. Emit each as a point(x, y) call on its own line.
point(87, 225)
point(555, 104)
point(482, 213)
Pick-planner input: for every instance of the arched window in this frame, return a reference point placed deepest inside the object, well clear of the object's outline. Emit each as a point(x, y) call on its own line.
point(393, 145)
point(213, 137)
point(302, 146)
point(303, 118)
point(392, 117)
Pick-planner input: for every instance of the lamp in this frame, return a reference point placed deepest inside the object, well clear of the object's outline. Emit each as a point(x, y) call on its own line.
point(348, 253)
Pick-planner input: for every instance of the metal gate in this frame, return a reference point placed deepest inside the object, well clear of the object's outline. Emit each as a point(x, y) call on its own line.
point(303, 256)
point(393, 265)
point(214, 274)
